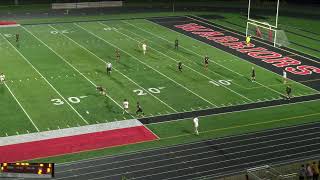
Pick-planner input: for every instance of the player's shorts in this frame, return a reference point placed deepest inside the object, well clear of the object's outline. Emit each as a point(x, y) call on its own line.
point(109, 69)
point(139, 110)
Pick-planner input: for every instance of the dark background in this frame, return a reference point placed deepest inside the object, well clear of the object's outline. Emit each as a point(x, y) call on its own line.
point(12, 2)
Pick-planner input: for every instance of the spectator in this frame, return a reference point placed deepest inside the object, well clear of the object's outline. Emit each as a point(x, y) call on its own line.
point(302, 172)
point(315, 170)
point(309, 172)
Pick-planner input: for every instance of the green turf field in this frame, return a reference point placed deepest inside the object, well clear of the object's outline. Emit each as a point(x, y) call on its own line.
point(53, 71)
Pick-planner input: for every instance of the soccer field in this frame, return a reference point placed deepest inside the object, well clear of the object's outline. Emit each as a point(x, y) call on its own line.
point(53, 71)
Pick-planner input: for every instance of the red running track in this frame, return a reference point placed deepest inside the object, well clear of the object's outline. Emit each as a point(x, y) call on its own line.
point(73, 144)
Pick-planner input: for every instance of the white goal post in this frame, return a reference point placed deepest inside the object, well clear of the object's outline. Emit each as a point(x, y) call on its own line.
point(265, 30)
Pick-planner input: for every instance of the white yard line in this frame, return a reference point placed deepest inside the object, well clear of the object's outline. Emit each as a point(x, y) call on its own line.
point(50, 84)
point(201, 74)
point(145, 64)
point(115, 69)
point(201, 55)
point(22, 107)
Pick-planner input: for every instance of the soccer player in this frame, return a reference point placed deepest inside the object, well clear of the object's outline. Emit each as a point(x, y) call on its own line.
point(144, 48)
point(109, 68)
point(17, 37)
point(176, 44)
point(196, 125)
point(2, 78)
point(101, 90)
point(117, 54)
point(248, 39)
point(206, 62)
point(284, 74)
point(180, 66)
point(139, 110)
point(125, 106)
point(253, 74)
point(288, 91)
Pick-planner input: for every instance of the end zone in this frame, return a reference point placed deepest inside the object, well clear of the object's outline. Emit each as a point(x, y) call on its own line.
point(73, 140)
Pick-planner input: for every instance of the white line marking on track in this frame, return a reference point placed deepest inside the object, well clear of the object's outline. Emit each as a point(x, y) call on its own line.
point(177, 169)
point(191, 143)
point(202, 145)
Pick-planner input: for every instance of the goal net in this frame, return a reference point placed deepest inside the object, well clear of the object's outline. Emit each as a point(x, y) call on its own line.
point(267, 32)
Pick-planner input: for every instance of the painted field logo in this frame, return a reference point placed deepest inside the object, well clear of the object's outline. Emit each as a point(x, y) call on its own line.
point(277, 59)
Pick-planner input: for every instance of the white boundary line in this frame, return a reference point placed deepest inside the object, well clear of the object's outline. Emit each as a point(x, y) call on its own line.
point(201, 56)
point(49, 83)
point(244, 36)
point(179, 145)
point(115, 69)
point(22, 107)
point(184, 65)
point(143, 63)
point(201, 147)
point(231, 55)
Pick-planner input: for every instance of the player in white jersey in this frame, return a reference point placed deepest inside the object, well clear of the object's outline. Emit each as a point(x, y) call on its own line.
point(196, 125)
point(284, 77)
point(144, 48)
point(125, 106)
point(109, 68)
point(2, 77)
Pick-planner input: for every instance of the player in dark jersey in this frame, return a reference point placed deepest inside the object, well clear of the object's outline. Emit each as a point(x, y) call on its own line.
point(17, 38)
point(117, 54)
point(288, 91)
point(253, 74)
point(101, 90)
point(176, 44)
point(206, 62)
point(180, 66)
point(139, 110)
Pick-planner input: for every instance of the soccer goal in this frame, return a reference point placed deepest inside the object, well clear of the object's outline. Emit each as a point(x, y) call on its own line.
point(267, 32)
point(262, 29)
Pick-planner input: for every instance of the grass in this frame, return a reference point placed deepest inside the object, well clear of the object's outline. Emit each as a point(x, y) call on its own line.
point(52, 73)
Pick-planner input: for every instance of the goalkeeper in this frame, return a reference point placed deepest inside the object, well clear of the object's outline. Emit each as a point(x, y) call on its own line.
point(248, 39)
